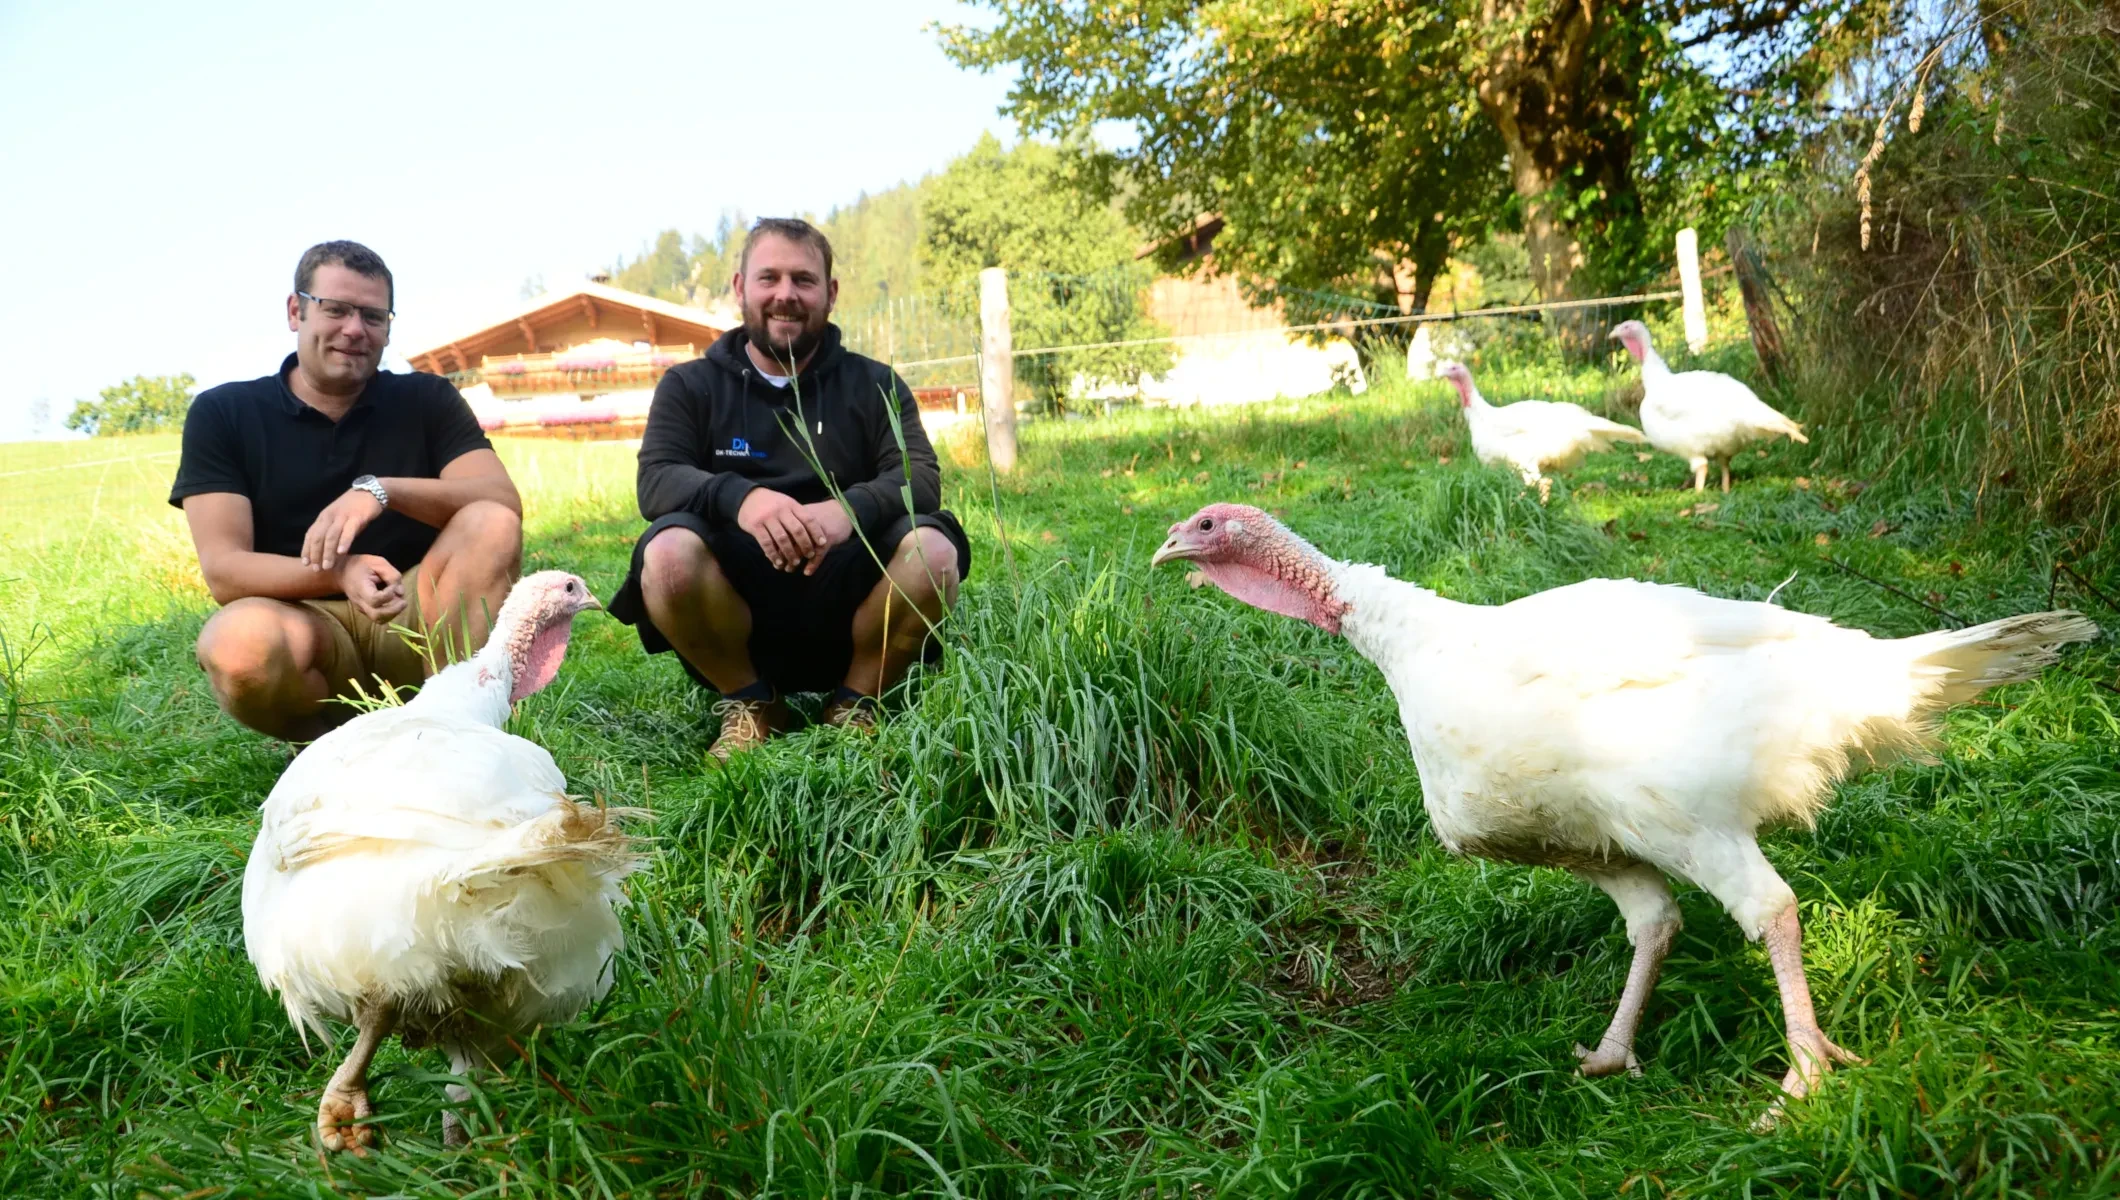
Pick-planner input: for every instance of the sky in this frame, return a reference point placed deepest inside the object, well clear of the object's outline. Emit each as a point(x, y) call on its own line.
point(162, 166)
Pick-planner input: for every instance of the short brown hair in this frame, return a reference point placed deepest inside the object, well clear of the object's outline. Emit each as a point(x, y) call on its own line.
point(353, 256)
point(794, 229)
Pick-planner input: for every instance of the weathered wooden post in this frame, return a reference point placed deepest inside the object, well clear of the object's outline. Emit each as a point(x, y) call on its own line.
point(997, 370)
point(1695, 305)
point(1754, 284)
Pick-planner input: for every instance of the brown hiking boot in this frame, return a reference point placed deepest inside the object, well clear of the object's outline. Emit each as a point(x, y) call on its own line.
point(849, 710)
point(746, 724)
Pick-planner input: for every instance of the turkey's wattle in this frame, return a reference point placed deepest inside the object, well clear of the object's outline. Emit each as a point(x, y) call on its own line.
point(1262, 563)
point(418, 870)
point(1627, 731)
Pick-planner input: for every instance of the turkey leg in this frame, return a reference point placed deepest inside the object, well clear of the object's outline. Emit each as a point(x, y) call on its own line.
point(345, 1104)
point(473, 1056)
point(1810, 1054)
point(1644, 900)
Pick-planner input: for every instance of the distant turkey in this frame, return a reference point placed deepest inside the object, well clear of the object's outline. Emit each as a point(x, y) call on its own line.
point(1627, 731)
point(422, 872)
point(1700, 416)
point(1533, 436)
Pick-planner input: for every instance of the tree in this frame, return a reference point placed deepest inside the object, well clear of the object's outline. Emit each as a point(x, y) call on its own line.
point(876, 247)
point(663, 270)
point(142, 404)
point(1347, 133)
point(1073, 278)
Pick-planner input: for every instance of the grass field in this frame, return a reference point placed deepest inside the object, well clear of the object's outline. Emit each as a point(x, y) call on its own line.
point(1133, 896)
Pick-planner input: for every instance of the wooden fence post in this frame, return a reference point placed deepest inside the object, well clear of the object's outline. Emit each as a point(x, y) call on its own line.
point(1695, 306)
point(997, 370)
point(1754, 283)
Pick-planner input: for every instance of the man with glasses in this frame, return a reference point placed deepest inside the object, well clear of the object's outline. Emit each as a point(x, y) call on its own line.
point(354, 524)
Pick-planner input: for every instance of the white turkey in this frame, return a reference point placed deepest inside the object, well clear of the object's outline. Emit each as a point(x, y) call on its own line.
point(423, 872)
point(1533, 436)
point(1628, 731)
point(1701, 416)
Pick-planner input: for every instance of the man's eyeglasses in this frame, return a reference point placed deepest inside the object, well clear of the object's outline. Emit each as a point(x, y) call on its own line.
point(339, 310)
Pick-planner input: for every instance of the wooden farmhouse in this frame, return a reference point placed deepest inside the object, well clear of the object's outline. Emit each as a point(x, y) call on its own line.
point(578, 364)
point(1228, 351)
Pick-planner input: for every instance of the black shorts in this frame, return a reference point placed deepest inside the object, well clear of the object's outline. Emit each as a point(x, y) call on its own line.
point(802, 626)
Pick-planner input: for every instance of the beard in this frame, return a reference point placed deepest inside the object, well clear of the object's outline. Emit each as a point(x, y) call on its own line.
point(792, 352)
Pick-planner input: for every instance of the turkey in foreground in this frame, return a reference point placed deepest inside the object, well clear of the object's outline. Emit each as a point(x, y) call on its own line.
point(421, 871)
point(1533, 436)
point(1699, 415)
point(1627, 731)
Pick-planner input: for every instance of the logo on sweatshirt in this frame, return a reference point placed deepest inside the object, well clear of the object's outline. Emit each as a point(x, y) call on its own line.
point(739, 448)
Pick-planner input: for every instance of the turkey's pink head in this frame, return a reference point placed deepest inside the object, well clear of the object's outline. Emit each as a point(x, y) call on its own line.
point(1460, 377)
point(1260, 561)
point(1635, 337)
point(534, 624)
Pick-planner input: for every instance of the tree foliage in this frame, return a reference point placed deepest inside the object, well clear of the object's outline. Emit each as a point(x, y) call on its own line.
point(1343, 140)
point(1073, 276)
point(664, 270)
point(142, 404)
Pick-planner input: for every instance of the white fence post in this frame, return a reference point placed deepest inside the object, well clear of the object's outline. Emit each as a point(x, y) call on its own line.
point(997, 370)
point(1696, 309)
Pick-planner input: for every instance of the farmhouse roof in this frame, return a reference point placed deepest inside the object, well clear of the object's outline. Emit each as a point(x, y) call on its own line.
point(1188, 242)
point(612, 312)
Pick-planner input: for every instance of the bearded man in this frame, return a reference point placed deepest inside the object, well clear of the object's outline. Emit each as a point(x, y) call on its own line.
point(796, 541)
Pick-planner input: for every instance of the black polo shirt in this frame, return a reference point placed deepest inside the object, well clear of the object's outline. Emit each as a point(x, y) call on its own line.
point(257, 439)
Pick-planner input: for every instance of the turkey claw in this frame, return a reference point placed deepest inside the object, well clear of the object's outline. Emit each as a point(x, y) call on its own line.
point(341, 1122)
point(1594, 1063)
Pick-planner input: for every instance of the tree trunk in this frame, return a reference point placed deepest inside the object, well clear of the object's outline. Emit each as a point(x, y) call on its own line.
point(1564, 107)
point(1431, 253)
point(1754, 283)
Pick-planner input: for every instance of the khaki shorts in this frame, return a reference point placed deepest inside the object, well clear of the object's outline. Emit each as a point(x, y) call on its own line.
point(365, 650)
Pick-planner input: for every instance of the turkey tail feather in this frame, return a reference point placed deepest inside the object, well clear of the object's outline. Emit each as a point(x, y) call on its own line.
point(584, 834)
point(1959, 664)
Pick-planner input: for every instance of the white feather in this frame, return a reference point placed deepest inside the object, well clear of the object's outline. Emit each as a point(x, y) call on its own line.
point(422, 856)
point(1704, 415)
point(1616, 720)
point(1537, 436)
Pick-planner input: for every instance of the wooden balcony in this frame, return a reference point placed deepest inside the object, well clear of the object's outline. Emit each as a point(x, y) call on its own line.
point(589, 369)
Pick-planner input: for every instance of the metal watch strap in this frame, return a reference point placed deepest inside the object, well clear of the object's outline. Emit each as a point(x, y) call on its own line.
point(374, 487)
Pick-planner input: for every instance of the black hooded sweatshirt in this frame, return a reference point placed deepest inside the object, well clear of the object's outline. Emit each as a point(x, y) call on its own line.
point(716, 430)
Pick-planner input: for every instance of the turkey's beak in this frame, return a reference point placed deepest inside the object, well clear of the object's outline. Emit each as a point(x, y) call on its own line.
point(1175, 548)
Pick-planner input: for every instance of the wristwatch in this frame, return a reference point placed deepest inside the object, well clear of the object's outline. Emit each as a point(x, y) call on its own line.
point(374, 487)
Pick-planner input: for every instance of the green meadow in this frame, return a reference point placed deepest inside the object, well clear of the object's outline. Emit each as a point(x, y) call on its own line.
point(1132, 896)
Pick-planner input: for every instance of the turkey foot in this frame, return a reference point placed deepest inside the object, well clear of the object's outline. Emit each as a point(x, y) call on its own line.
point(1607, 1059)
point(1811, 1056)
point(342, 1114)
point(340, 1117)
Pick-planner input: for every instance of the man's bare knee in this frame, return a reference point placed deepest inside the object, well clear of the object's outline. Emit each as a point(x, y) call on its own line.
point(925, 566)
point(676, 563)
point(244, 649)
point(490, 533)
